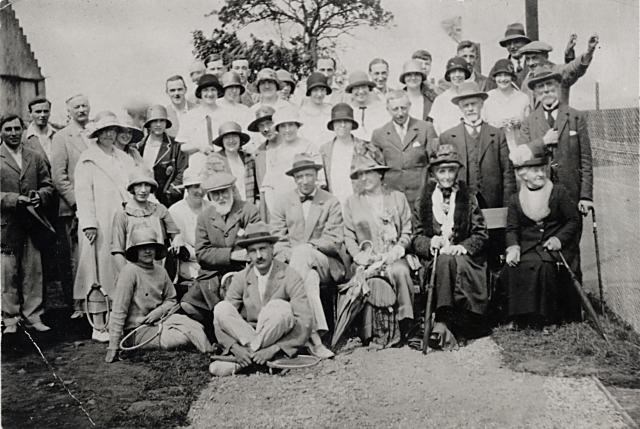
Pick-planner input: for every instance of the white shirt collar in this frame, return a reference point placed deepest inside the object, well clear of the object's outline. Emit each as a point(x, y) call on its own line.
point(33, 131)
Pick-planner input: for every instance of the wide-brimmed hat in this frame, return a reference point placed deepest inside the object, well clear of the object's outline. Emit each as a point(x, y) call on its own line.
point(231, 127)
point(206, 81)
point(230, 79)
point(342, 112)
point(218, 181)
point(302, 161)
point(444, 154)
point(141, 175)
point(105, 121)
point(256, 233)
point(457, 63)
point(359, 78)
point(526, 155)
point(286, 115)
point(412, 66)
point(542, 73)
point(155, 112)
point(317, 80)
point(264, 113)
point(363, 163)
point(143, 235)
point(286, 77)
point(513, 32)
point(190, 177)
point(503, 66)
point(267, 74)
point(136, 133)
point(468, 90)
point(535, 47)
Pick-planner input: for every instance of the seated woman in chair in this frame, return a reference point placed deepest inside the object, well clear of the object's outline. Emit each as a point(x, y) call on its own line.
point(377, 233)
point(144, 295)
point(541, 220)
point(449, 222)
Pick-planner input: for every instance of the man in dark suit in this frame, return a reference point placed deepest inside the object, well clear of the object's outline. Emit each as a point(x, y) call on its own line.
point(403, 143)
point(308, 223)
point(563, 132)
point(26, 187)
point(162, 155)
point(483, 150)
point(265, 310)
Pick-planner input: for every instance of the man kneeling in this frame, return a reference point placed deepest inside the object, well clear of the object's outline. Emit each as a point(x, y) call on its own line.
point(265, 309)
point(144, 295)
point(449, 222)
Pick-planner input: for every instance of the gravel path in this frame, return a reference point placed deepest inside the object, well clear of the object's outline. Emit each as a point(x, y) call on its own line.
point(402, 388)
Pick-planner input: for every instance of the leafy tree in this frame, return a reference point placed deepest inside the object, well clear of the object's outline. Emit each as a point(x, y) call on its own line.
point(316, 26)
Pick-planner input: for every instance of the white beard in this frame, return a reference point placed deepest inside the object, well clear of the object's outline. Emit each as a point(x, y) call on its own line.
point(223, 209)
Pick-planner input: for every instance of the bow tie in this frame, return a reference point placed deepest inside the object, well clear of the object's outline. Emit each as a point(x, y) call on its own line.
point(304, 198)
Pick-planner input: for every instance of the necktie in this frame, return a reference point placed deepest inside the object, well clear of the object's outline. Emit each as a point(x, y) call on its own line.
point(550, 120)
point(475, 129)
point(362, 109)
point(304, 198)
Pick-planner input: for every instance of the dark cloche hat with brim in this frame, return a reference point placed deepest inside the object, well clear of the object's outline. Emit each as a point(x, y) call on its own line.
point(206, 81)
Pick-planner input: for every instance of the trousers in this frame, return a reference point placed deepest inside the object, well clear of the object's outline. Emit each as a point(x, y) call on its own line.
point(274, 322)
point(22, 291)
point(313, 267)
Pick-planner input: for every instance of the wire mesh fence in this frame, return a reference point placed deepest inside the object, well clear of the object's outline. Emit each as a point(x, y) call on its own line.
point(614, 140)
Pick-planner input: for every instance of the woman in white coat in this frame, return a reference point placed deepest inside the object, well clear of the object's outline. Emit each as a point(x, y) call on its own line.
point(101, 188)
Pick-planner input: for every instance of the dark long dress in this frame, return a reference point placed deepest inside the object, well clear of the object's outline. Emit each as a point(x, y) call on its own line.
point(461, 282)
point(536, 286)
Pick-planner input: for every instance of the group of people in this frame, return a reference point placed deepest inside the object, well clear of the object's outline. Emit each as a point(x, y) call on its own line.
point(241, 216)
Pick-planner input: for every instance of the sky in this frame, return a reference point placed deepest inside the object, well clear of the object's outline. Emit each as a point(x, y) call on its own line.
point(118, 50)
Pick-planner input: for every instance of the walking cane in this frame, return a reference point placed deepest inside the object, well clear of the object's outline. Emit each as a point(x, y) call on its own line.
point(595, 240)
point(428, 325)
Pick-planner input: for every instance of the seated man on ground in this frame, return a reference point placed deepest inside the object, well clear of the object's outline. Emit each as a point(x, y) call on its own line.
point(449, 222)
point(308, 222)
point(542, 219)
point(265, 310)
point(144, 295)
point(218, 228)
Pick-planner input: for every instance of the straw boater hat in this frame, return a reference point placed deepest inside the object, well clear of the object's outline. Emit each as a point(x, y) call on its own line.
point(256, 233)
point(285, 77)
point(317, 80)
point(156, 112)
point(104, 122)
point(302, 161)
point(190, 177)
point(362, 164)
point(468, 90)
point(535, 47)
point(359, 78)
point(503, 66)
point(543, 73)
point(285, 116)
point(457, 63)
point(265, 75)
point(264, 113)
point(218, 181)
point(231, 127)
point(206, 81)
point(143, 235)
point(342, 112)
point(141, 175)
point(445, 154)
point(526, 155)
point(230, 79)
point(412, 66)
point(514, 31)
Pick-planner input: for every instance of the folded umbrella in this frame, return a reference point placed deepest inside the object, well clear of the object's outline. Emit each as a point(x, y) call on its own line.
point(350, 303)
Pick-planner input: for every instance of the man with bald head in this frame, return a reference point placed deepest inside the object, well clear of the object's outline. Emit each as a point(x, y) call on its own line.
point(68, 144)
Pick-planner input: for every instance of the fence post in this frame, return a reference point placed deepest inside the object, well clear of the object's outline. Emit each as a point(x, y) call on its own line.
point(597, 95)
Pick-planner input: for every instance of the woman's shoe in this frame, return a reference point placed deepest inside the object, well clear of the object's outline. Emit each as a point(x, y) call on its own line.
point(100, 336)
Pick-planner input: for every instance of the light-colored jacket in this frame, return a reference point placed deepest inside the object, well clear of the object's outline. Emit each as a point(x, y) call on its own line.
point(67, 146)
point(101, 188)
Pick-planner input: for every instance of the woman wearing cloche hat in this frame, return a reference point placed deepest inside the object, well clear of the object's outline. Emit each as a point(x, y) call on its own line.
point(315, 112)
point(446, 115)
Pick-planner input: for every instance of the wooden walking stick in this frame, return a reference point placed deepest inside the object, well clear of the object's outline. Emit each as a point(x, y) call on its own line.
point(595, 240)
point(428, 313)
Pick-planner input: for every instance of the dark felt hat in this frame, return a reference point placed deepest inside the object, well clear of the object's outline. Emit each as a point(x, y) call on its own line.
point(468, 90)
point(143, 236)
point(256, 233)
point(543, 73)
point(208, 80)
point(457, 63)
point(514, 31)
point(445, 154)
point(503, 66)
point(317, 80)
point(342, 112)
point(528, 155)
point(359, 78)
point(362, 163)
point(302, 161)
point(264, 113)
